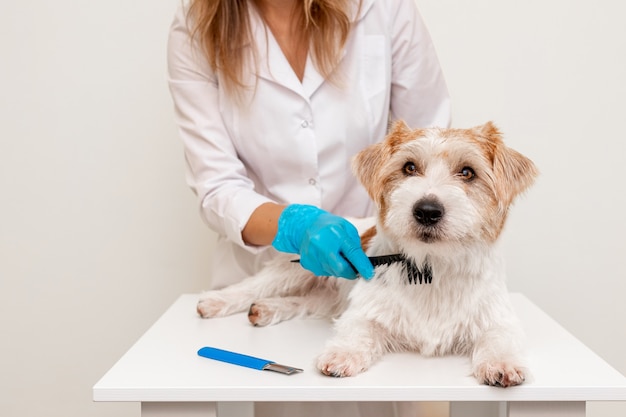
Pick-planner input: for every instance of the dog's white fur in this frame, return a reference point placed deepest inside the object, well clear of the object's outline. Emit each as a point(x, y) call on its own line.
point(473, 178)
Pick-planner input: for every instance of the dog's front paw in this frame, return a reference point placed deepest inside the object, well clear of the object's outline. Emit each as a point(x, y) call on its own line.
point(341, 363)
point(260, 314)
point(500, 374)
point(209, 306)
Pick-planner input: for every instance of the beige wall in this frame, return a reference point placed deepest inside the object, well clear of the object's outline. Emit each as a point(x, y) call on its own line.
point(99, 233)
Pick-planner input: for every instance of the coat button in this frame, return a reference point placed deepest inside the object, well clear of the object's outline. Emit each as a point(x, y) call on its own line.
point(304, 124)
point(312, 181)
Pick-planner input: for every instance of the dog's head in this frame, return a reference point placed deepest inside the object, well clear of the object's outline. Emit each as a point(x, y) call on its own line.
point(439, 186)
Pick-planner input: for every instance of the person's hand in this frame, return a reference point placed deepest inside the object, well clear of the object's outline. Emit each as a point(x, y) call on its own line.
point(328, 245)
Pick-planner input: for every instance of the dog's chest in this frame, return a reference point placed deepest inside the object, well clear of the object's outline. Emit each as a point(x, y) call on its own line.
point(436, 318)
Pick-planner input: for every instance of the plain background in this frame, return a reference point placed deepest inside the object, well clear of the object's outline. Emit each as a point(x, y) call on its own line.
point(99, 233)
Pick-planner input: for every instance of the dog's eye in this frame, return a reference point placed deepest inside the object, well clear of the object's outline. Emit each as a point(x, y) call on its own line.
point(409, 168)
point(467, 173)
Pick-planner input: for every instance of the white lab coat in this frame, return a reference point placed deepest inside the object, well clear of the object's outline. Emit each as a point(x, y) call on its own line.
point(292, 141)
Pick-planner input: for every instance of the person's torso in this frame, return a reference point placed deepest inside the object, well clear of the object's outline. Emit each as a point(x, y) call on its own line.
point(297, 139)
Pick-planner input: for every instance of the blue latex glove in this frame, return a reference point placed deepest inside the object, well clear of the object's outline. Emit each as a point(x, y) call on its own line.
point(328, 245)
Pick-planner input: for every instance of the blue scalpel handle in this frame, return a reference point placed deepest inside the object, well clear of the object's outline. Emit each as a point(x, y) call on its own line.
point(245, 360)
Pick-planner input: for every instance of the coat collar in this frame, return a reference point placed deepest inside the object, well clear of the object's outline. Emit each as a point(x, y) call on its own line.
point(268, 51)
point(360, 12)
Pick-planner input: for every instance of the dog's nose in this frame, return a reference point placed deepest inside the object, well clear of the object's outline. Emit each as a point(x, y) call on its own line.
point(428, 211)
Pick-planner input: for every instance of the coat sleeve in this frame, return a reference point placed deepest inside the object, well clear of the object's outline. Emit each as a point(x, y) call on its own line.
point(214, 172)
point(419, 94)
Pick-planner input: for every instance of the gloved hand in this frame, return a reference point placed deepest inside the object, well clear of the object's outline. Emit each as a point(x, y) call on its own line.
point(328, 245)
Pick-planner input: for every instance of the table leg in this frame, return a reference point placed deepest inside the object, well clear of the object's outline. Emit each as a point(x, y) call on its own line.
point(235, 409)
point(476, 409)
point(178, 409)
point(547, 408)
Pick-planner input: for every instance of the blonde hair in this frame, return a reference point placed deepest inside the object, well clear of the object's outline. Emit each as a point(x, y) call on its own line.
point(222, 29)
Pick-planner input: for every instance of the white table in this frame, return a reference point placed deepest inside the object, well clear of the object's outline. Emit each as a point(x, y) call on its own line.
point(164, 373)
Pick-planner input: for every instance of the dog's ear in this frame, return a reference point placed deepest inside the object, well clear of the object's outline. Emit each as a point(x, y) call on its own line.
point(513, 172)
point(367, 165)
point(398, 134)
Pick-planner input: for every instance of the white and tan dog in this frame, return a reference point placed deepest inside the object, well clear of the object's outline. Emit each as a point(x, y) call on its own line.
point(443, 196)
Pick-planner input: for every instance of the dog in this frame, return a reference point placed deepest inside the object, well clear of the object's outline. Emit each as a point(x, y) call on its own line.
point(442, 198)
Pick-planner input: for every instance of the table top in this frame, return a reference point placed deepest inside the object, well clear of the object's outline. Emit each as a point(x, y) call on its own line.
point(164, 366)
